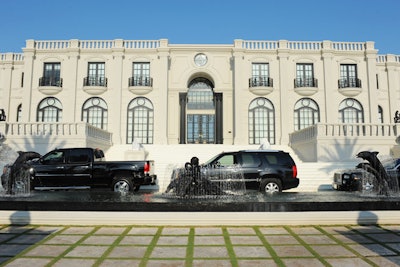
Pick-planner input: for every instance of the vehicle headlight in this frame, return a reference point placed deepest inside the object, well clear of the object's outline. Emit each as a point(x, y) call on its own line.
point(346, 176)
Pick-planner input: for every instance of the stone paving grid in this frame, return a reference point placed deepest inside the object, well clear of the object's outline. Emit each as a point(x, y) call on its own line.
point(336, 245)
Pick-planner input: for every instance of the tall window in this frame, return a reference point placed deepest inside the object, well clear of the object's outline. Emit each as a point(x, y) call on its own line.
point(380, 114)
point(348, 76)
point(261, 121)
point(200, 112)
point(260, 74)
point(140, 121)
point(304, 75)
point(19, 112)
point(96, 74)
point(95, 112)
point(351, 111)
point(51, 75)
point(49, 110)
point(306, 113)
point(141, 74)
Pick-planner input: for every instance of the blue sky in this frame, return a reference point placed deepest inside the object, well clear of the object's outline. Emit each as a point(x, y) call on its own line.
point(201, 22)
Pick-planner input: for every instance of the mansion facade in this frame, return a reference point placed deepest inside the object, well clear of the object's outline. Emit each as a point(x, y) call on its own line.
point(314, 97)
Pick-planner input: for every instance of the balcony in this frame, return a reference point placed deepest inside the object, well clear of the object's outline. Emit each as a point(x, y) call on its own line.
point(261, 85)
point(50, 85)
point(306, 87)
point(140, 85)
point(350, 87)
point(95, 85)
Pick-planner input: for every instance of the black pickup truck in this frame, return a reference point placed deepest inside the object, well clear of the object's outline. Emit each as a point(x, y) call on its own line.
point(69, 168)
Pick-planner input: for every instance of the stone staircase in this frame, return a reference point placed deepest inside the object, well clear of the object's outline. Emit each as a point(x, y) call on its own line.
point(314, 176)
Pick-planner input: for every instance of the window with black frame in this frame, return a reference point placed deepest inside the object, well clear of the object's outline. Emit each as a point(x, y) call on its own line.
point(261, 121)
point(51, 75)
point(141, 74)
point(95, 112)
point(305, 75)
point(96, 74)
point(306, 113)
point(348, 76)
point(260, 75)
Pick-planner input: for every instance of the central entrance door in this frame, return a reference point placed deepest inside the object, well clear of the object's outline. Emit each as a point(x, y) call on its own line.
point(200, 129)
point(201, 114)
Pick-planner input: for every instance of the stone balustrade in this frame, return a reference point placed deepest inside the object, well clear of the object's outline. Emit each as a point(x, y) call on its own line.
point(37, 129)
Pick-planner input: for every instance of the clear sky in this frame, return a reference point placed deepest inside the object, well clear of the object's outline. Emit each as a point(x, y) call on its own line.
point(202, 21)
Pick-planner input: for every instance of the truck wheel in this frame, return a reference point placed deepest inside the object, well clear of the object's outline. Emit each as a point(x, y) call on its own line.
point(121, 185)
point(271, 185)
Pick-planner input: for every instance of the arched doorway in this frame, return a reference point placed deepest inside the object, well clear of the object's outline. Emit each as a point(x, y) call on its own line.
point(201, 113)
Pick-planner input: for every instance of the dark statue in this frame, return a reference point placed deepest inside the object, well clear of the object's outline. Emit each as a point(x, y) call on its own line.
point(190, 181)
point(20, 169)
point(396, 117)
point(376, 168)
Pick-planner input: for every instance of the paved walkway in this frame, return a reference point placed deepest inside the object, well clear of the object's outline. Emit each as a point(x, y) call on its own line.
point(337, 245)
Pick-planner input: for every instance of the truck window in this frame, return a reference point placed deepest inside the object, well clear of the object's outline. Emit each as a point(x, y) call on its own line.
point(79, 156)
point(54, 157)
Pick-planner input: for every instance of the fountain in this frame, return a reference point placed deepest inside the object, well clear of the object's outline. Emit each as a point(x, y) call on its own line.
point(376, 178)
point(15, 179)
point(195, 180)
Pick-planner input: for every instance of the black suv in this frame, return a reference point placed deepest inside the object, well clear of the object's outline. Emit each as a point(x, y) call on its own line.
point(264, 170)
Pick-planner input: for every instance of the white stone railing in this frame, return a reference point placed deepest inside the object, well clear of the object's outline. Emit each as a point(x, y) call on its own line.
point(80, 129)
point(149, 44)
point(358, 130)
point(11, 57)
point(301, 45)
point(93, 44)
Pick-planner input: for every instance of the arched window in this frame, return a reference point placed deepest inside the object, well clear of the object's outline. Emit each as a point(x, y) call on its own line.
point(351, 111)
point(95, 112)
point(200, 112)
point(261, 121)
point(49, 110)
point(140, 121)
point(306, 113)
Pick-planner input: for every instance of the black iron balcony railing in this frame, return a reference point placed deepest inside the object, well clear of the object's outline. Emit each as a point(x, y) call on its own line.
point(352, 83)
point(261, 81)
point(140, 81)
point(50, 81)
point(307, 82)
point(95, 81)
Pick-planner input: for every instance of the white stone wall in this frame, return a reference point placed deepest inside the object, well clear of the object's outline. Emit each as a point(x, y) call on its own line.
point(172, 68)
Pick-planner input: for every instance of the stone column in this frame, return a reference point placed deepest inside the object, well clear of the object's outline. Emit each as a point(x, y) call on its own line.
point(115, 115)
point(393, 85)
point(239, 109)
point(28, 112)
point(70, 76)
point(161, 123)
point(7, 87)
point(330, 84)
point(282, 129)
point(370, 57)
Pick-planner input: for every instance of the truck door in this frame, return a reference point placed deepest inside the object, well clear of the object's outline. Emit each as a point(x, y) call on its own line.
point(50, 170)
point(78, 167)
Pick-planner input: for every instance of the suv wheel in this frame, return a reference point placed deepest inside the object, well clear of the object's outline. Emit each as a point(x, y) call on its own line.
point(271, 185)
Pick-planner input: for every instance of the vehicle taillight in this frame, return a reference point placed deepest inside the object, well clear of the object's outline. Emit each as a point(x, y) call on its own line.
point(294, 170)
point(146, 167)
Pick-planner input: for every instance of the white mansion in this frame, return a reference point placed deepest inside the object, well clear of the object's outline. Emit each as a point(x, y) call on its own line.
point(322, 101)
